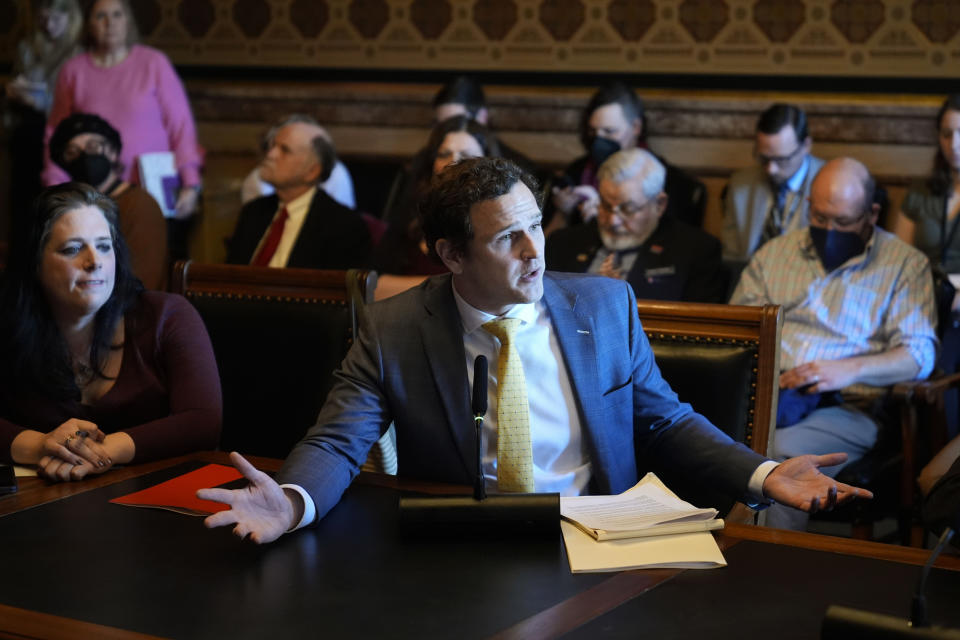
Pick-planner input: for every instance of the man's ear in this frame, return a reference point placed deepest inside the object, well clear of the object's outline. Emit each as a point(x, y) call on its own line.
point(638, 129)
point(807, 144)
point(451, 257)
point(662, 200)
point(312, 175)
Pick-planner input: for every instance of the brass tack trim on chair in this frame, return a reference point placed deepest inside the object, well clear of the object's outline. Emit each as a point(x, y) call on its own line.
point(263, 298)
point(737, 342)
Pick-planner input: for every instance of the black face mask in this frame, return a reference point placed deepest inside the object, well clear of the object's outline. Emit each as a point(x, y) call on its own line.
point(836, 247)
point(601, 149)
point(91, 169)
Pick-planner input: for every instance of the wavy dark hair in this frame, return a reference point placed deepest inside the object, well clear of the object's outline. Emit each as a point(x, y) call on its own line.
point(423, 170)
point(445, 210)
point(33, 353)
point(941, 179)
point(483, 136)
point(403, 237)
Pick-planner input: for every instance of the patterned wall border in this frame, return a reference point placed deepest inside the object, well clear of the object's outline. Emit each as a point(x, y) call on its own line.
point(868, 38)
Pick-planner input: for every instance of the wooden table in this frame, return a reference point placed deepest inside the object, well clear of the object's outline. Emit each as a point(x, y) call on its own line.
point(78, 566)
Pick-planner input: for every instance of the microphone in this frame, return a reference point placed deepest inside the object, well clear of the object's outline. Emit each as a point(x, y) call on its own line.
point(479, 407)
point(846, 623)
point(529, 514)
point(918, 609)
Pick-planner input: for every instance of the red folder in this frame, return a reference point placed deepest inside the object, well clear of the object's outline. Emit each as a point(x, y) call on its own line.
point(180, 494)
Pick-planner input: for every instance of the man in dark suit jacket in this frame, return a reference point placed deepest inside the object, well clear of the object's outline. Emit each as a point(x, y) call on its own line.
point(661, 257)
point(615, 416)
point(299, 225)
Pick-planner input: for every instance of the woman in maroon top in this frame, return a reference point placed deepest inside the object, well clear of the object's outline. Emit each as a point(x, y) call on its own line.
point(95, 371)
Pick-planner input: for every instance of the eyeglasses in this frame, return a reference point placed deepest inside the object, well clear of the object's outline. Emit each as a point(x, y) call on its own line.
point(777, 160)
point(93, 146)
point(626, 210)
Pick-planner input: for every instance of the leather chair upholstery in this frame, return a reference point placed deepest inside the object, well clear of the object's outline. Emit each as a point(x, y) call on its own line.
point(724, 361)
point(278, 335)
point(717, 376)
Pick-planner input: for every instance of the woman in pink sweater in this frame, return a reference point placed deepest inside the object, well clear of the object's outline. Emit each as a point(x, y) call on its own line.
point(136, 89)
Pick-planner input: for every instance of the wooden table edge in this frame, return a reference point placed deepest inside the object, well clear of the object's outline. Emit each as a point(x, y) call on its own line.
point(550, 623)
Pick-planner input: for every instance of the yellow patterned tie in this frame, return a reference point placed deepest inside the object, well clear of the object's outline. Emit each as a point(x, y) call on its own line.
point(514, 453)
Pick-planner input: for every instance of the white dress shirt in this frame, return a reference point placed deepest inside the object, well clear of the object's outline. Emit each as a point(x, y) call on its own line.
point(297, 210)
point(561, 463)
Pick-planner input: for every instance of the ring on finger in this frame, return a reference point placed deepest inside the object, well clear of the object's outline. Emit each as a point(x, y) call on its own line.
point(66, 442)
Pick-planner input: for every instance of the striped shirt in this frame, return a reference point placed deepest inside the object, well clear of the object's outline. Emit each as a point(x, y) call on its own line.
point(874, 302)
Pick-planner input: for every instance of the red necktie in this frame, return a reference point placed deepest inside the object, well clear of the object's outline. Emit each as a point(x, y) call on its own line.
point(262, 259)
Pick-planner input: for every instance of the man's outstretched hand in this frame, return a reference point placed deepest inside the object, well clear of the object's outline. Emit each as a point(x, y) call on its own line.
point(798, 483)
point(261, 510)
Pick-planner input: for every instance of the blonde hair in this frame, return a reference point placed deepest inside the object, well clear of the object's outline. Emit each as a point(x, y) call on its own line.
point(69, 7)
point(46, 53)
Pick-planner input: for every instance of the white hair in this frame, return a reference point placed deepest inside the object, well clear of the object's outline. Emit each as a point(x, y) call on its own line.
point(631, 163)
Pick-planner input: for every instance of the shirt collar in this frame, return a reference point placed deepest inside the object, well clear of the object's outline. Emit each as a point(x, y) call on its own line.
point(298, 207)
point(473, 318)
point(795, 181)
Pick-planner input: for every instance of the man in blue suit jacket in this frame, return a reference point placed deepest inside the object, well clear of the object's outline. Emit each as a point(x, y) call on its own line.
point(600, 413)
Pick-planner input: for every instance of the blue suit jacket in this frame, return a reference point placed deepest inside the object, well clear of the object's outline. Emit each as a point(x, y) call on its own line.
point(408, 366)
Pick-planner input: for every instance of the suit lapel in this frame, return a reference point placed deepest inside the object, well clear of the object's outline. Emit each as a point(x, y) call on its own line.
point(576, 334)
point(261, 214)
point(647, 259)
point(442, 336)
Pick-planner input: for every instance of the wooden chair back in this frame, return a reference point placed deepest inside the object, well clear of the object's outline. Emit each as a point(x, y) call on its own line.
point(724, 360)
point(278, 335)
point(705, 349)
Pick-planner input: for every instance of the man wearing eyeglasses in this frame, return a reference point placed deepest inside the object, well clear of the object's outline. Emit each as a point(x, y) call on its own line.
point(770, 198)
point(858, 314)
point(660, 256)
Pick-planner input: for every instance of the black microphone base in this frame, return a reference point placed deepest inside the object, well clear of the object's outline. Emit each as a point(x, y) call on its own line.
point(850, 624)
point(505, 515)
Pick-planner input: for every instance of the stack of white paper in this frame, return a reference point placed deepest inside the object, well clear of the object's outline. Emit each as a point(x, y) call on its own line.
point(647, 526)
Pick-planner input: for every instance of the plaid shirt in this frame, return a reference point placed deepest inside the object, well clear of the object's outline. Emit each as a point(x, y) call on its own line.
point(874, 302)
